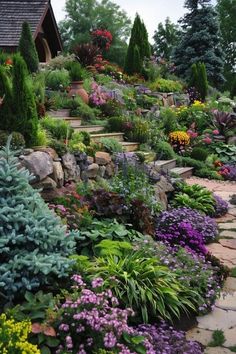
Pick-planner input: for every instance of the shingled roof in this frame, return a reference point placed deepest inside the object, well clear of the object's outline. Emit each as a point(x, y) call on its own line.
point(14, 12)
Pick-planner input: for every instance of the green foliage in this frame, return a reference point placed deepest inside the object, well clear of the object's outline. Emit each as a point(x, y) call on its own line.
point(199, 79)
point(133, 183)
point(166, 38)
point(58, 129)
point(57, 79)
point(17, 140)
point(218, 339)
point(76, 142)
point(194, 197)
point(34, 246)
point(140, 130)
point(207, 173)
point(25, 112)
point(76, 72)
point(227, 13)
point(115, 124)
point(200, 22)
point(233, 272)
point(41, 138)
point(80, 109)
point(27, 48)
point(107, 229)
point(226, 153)
point(169, 120)
point(138, 48)
point(199, 153)
point(164, 85)
point(6, 109)
point(150, 289)
point(164, 151)
point(76, 28)
point(111, 145)
point(191, 162)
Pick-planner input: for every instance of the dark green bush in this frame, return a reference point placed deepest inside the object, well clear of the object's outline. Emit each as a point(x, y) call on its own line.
point(199, 153)
point(57, 79)
point(6, 109)
point(188, 161)
point(205, 172)
point(115, 124)
point(164, 151)
point(58, 129)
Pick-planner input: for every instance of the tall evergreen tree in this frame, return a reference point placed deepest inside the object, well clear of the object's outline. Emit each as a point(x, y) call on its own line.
point(166, 37)
point(26, 118)
point(227, 18)
point(6, 109)
point(27, 48)
point(200, 42)
point(139, 38)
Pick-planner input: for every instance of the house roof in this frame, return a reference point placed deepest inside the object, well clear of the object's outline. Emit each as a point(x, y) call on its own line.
point(14, 12)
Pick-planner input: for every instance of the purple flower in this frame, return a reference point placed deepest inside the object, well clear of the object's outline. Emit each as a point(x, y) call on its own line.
point(221, 207)
point(96, 283)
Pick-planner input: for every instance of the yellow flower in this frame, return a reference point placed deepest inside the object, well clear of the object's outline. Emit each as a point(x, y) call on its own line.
point(179, 137)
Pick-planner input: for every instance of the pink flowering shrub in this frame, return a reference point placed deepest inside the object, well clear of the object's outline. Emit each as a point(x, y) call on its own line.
point(98, 97)
point(90, 320)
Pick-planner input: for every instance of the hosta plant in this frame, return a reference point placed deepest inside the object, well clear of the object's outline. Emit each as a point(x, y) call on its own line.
point(194, 197)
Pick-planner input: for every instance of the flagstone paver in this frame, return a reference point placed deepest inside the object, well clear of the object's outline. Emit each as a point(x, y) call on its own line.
point(227, 225)
point(228, 243)
point(223, 317)
point(217, 350)
point(228, 234)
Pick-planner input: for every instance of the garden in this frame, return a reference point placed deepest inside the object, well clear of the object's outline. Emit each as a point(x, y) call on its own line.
point(104, 245)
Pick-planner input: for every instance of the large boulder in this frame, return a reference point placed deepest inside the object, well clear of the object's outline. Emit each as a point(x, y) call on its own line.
point(40, 164)
point(58, 174)
point(71, 169)
point(102, 158)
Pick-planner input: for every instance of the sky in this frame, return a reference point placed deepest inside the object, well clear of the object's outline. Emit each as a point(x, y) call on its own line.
point(151, 11)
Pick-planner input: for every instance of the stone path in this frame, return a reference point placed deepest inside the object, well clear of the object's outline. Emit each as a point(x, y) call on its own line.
point(223, 317)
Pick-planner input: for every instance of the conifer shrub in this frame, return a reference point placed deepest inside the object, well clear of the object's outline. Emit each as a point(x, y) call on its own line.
point(6, 113)
point(199, 79)
point(25, 114)
point(27, 48)
point(33, 243)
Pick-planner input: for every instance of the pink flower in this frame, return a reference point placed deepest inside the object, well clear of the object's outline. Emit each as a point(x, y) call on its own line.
point(216, 132)
point(207, 140)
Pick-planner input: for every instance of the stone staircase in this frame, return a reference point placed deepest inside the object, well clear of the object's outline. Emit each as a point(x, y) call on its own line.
point(169, 166)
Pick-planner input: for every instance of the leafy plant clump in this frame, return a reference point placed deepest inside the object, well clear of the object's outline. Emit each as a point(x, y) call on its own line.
point(34, 246)
point(142, 283)
point(14, 337)
point(194, 197)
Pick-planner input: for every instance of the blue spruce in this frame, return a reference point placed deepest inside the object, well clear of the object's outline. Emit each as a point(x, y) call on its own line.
point(33, 243)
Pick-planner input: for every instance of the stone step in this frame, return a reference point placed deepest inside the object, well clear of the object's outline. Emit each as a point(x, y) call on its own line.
point(130, 146)
point(97, 137)
point(184, 172)
point(163, 165)
point(89, 128)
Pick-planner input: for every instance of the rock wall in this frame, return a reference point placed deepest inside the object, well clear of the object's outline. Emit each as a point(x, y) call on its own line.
point(51, 173)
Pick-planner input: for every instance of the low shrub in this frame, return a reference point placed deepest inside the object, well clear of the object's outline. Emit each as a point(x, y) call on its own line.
point(169, 120)
point(17, 140)
point(163, 85)
point(210, 174)
point(205, 225)
point(14, 337)
point(194, 270)
point(111, 145)
point(166, 339)
point(164, 151)
point(58, 129)
point(221, 207)
point(199, 153)
point(91, 321)
point(57, 79)
point(115, 124)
